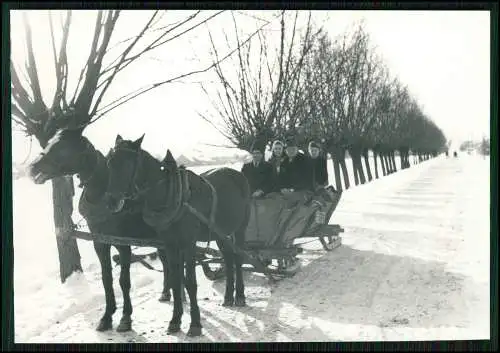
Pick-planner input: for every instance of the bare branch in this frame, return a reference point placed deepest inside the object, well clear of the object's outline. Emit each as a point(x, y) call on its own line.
point(122, 59)
point(124, 62)
point(116, 103)
point(84, 100)
point(38, 104)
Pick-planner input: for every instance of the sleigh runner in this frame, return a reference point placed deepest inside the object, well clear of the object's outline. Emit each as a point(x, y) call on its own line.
point(276, 221)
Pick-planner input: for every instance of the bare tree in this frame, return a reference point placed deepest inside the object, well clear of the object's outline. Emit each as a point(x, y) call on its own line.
point(325, 118)
point(84, 106)
point(261, 101)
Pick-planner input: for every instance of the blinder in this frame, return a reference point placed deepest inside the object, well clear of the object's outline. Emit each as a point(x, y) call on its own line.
point(133, 191)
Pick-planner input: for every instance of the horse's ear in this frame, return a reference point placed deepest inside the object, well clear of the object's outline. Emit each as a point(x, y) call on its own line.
point(169, 160)
point(118, 139)
point(138, 142)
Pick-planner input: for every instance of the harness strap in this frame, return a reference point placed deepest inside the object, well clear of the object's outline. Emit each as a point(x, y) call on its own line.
point(211, 220)
point(182, 194)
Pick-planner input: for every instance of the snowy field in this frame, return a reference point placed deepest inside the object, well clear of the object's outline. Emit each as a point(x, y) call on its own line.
point(414, 265)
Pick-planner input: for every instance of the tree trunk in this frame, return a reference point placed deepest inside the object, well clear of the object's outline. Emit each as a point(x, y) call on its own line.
point(382, 164)
point(341, 159)
point(392, 158)
point(359, 166)
point(62, 197)
point(344, 173)
point(402, 159)
point(367, 164)
point(387, 165)
point(336, 170)
point(375, 163)
point(354, 169)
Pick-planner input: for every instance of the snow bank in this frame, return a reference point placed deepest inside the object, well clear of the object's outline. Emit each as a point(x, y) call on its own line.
point(414, 265)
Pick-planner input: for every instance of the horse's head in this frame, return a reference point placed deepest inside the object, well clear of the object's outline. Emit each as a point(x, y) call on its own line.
point(66, 153)
point(124, 164)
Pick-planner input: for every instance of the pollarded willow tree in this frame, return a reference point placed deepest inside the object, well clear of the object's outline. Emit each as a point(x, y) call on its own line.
point(428, 139)
point(41, 116)
point(341, 78)
point(259, 95)
point(324, 92)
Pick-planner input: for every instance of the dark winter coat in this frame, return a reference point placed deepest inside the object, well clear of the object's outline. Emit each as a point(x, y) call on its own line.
point(318, 173)
point(259, 177)
point(296, 173)
point(277, 180)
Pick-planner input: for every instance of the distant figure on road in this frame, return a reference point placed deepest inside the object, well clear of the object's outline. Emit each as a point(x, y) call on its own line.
point(277, 160)
point(455, 154)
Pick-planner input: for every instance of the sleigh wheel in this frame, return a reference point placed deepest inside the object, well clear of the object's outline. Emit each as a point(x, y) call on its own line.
point(288, 266)
point(213, 271)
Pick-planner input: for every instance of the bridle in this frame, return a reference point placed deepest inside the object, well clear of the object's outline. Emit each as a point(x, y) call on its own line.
point(133, 191)
point(181, 197)
point(58, 166)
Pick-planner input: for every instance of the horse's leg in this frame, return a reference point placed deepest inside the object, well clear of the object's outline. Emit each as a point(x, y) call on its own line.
point(192, 289)
point(165, 295)
point(104, 255)
point(126, 320)
point(176, 272)
point(239, 299)
point(229, 266)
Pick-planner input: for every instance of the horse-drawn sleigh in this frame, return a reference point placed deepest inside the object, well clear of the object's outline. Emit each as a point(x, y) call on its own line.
point(131, 198)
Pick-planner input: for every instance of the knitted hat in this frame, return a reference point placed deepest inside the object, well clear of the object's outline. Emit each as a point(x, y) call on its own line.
point(314, 144)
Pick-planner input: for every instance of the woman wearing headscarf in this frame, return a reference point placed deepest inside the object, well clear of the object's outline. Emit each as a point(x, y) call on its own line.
point(276, 161)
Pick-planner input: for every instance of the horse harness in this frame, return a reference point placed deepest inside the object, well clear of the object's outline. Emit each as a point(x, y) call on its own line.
point(181, 198)
point(182, 201)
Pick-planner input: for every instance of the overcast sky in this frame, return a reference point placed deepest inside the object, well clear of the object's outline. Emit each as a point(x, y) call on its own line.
point(443, 57)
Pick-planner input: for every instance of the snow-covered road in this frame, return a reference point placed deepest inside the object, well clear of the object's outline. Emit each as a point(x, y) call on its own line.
point(414, 265)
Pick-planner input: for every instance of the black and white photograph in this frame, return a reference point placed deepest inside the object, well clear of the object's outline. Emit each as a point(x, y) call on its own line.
point(233, 175)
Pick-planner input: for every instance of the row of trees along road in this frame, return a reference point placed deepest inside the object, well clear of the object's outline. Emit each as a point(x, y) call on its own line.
point(335, 91)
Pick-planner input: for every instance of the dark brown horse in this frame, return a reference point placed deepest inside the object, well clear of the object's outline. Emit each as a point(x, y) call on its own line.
point(68, 153)
point(178, 204)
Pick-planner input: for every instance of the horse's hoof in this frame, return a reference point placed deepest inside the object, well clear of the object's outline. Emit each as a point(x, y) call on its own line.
point(173, 328)
point(165, 297)
point(125, 325)
point(240, 302)
point(228, 302)
point(104, 325)
point(194, 331)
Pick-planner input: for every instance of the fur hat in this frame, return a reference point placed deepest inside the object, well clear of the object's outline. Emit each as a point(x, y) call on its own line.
point(257, 145)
